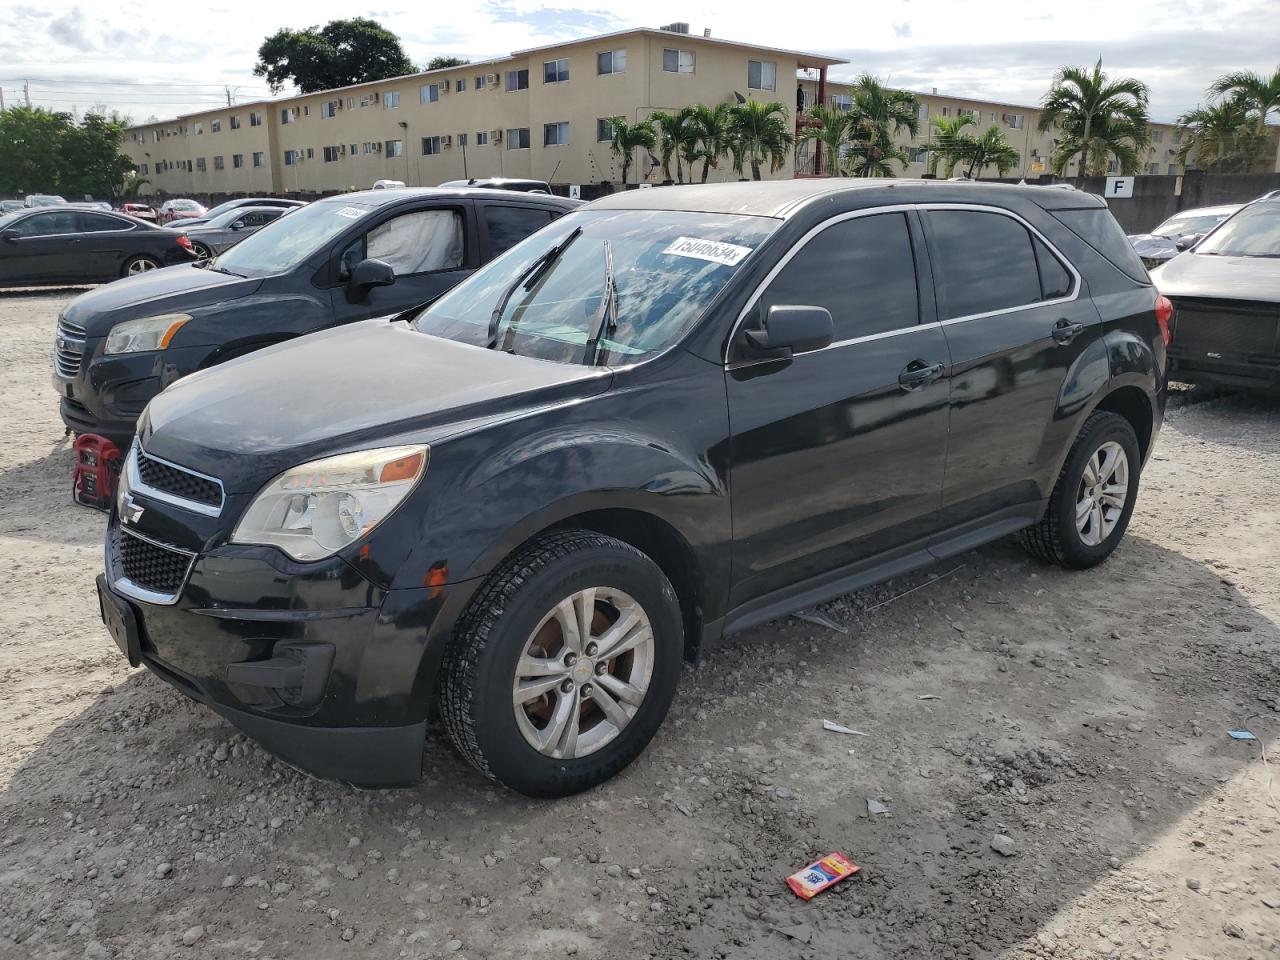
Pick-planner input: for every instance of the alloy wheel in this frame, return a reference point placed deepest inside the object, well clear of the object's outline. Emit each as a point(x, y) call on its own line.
point(141, 265)
point(1104, 489)
point(583, 673)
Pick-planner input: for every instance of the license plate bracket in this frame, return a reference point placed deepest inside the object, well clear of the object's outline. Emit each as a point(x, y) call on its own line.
point(121, 622)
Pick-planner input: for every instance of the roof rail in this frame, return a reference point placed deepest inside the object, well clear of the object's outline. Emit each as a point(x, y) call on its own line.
point(1272, 195)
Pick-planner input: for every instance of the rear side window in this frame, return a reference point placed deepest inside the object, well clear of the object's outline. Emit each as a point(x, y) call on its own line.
point(1098, 228)
point(509, 225)
point(100, 223)
point(862, 270)
point(1055, 281)
point(985, 260)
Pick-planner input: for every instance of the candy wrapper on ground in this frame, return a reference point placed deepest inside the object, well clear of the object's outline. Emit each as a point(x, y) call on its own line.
point(817, 876)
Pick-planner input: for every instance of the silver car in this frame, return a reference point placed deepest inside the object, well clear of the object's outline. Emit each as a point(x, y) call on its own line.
point(1179, 232)
point(227, 229)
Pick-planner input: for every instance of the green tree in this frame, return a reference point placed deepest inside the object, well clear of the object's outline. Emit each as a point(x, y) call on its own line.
point(676, 134)
point(91, 162)
point(1221, 136)
point(1259, 94)
point(629, 137)
point(439, 63)
point(759, 132)
point(339, 54)
point(711, 128)
point(989, 149)
point(1100, 119)
point(46, 152)
point(878, 116)
point(830, 127)
point(950, 139)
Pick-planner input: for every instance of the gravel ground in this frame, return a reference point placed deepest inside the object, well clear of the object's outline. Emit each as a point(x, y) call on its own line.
point(1081, 716)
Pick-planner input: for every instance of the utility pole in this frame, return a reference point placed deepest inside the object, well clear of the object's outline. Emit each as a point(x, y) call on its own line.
point(26, 92)
point(228, 89)
point(1, 99)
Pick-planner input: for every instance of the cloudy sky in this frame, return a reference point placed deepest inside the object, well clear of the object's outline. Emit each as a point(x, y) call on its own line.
point(164, 59)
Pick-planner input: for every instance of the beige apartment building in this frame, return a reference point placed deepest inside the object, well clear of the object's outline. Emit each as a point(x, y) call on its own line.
point(540, 113)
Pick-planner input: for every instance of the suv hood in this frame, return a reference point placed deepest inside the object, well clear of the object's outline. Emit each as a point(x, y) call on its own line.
point(359, 386)
point(171, 290)
point(1224, 278)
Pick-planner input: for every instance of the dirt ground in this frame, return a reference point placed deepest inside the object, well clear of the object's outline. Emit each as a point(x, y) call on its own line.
point(1083, 716)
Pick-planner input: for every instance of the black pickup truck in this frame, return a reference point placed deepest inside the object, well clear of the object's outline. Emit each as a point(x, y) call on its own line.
point(335, 261)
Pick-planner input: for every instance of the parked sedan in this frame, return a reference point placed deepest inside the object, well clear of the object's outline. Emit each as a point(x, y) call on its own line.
point(1226, 293)
point(72, 245)
point(172, 210)
point(244, 202)
point(44, 200)
point(211, 237)
point(1178, 233)
point(11, 206)
point(345, 258)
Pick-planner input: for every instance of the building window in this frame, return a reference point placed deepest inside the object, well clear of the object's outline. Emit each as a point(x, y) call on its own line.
point(395, 148)
point(611, 61)
point(1012, 120)
point(1172, 169)
point(946, 111)
point(234, 122)
point(555, 134)
point(368, 147)
point(311, 153)
point(462, 139)
point(355, 148)
point(143, 170)
point(218, 163)
point(331, 154)
point(306, 109)
point(677, 61)
point(199, 128)
point(480, 82)
point(604, 130)
point(391, 100)
point(461, 84)
point(200, 165)
point(517, 79)
point(329, 109)
point(1157, 136)
point(290, 157)
point(518, 138)
point(259, 158)
point(482, 137)
point(762, 75)
point(237, 161)
point(215, 126)
point(288, 114)
point(842, 101)
point(255, 119)
point(430, 146)
point(1153, 168)
point(555, 71)
point(430, 93)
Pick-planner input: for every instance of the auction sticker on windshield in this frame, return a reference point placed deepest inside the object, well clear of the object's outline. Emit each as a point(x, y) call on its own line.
point(730, 254)
point(351, 213)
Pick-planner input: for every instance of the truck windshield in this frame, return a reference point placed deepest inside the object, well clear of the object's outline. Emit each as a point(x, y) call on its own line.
point(284, 243)
point(662, 267)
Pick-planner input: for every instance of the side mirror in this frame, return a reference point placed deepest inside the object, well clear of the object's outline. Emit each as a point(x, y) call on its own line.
point(1188, 240)
point(797, 328)
point(238, 225)
point(9, 236)
point(366, 275)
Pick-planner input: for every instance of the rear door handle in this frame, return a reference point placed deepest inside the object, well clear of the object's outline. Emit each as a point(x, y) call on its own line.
point(918, 373)
point(1064, 331)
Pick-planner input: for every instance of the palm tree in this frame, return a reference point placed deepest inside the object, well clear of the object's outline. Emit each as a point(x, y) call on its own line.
point(990, 149)
point(1222, 136)
point(878, 115)
point(629, 137)
point(674, 131)
point(1099, 118)
point(949, 137)
point(711, 125)
point(1259, 94)
point(830, 127)
point(760, 132)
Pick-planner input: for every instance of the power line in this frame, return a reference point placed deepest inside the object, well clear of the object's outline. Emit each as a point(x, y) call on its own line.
point(114, 83)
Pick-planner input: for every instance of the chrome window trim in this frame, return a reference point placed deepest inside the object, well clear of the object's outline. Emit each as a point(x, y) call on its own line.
point(900, 208)
point(195, 506)
point(123, 584)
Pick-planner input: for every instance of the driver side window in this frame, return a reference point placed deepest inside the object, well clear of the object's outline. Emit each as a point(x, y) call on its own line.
point(419, 242)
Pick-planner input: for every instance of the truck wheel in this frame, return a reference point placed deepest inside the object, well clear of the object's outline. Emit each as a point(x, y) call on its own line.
point(1093, 498)
point(564, 664)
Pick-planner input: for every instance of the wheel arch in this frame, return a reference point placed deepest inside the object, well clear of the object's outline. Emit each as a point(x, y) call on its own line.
point(1132, 403)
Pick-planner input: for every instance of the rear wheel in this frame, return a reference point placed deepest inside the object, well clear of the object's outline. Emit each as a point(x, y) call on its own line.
point(1093, 498)
point(139, 264)
point(564, 665)
point(203, 254)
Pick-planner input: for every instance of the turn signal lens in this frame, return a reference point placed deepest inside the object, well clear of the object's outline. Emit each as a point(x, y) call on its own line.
point(1164, 316)
point(406, 468)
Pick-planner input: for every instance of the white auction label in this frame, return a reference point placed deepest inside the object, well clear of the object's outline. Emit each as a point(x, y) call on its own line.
point(730, 254)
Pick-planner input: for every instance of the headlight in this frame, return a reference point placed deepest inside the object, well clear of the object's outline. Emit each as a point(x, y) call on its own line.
point(149, 333)
point(314, 510)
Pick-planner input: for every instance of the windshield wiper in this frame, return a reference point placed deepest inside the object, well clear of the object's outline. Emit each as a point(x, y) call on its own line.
point(606, 320)
point(529, 276)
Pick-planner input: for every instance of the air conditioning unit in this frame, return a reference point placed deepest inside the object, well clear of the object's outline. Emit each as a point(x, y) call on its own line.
point(444, 86)
point(495, 136)
point(373, 97)
point(446, 142)
point(491, 79)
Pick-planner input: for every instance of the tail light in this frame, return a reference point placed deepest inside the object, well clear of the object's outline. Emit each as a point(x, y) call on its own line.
point(185, 243)
point(1164, 316)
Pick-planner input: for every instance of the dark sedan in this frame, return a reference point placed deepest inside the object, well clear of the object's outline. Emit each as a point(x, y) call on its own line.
point(1226, 293)
point(70, 245)
point(215, 235)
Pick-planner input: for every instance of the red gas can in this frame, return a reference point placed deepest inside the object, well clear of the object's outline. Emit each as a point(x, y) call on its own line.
point(97, 470)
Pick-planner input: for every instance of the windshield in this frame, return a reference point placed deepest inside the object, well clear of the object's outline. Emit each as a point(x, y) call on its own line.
point(1253, 232)
point(1176, 227)
point(284, 243)
point(227, 218)
point(666, 267)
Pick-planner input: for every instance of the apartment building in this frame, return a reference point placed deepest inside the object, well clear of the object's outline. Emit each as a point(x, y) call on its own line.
point(1019, 122)
point(540, 113)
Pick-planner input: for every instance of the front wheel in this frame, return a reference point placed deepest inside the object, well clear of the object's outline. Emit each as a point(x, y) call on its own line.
point(140, 264)
point(564, 665)
point(1093, 498)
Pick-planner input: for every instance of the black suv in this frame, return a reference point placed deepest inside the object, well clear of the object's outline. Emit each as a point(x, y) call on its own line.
point(670, 415)
point(334, 261)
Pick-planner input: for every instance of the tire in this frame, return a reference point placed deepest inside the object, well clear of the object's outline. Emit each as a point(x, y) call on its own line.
point(139, 264)
point(202, 252)
point(512, 621)
point(1057, 537)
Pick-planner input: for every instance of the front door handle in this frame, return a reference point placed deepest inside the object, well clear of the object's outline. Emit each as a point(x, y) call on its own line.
point(918, 373)
point(1064, 331)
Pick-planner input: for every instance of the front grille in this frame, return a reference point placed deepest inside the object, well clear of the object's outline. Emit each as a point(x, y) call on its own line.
point(178, 482)
point(152, 567)
point(68, 348)
point(1226, 327)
